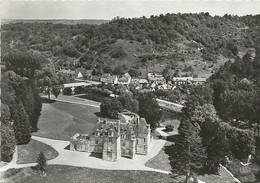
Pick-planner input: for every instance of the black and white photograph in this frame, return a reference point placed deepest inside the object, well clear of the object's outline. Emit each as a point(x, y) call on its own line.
point(130, 91)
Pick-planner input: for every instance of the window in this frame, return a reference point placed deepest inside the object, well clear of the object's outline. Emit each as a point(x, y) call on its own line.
point(110, 139)
point(110, 134)
point(109, 148)
point(144, 139)
point(96, 141)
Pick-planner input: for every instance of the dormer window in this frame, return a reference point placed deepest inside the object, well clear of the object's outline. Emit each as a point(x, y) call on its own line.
point(110, 134)
point(97, 133)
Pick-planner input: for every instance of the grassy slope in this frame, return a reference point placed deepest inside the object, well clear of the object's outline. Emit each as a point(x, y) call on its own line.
point(62, 120)
point(68, 174)
point(165, 56)
point(29, 153)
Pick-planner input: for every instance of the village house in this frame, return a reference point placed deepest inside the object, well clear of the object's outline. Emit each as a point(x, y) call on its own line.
point(198, 81)
point(79, 73)
point(67, 72)
point(115, 139)
point(109, 79)
point(135, 81)
point(143, 81)
point(125, 79)
point(182, 80)
point(156, 78)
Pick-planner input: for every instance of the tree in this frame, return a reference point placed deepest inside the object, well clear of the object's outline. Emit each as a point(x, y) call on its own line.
point(149, 109)
point(190, 155)
point(119, 70)
point(169, 128)
point(21, 124)
point(203, 113)
point(41, 162)
point(217, 148)
point(134, 72)
point(23, 63)
point(129, 102)
point(56, 90)
point(111, 108)
point(7, 135)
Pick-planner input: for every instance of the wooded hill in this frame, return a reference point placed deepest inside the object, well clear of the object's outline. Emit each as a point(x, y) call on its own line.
point(191, 44)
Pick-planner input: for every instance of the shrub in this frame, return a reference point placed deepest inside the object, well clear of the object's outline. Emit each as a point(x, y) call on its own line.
point(169, 128)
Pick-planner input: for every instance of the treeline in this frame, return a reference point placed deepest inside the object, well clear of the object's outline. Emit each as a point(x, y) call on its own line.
point(23, 75)
point(218, 117)
point(204, 139)
point(237, 90)
point(90, 44)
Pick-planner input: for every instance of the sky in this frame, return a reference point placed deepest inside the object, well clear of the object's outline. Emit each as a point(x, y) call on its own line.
point(105, 9)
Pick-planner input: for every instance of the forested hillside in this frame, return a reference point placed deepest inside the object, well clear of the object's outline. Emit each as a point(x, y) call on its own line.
point(180, 44)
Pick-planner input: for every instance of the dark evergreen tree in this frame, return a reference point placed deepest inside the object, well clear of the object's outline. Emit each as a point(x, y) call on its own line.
point(41, 162)
point(190, 155)
point(21, 124)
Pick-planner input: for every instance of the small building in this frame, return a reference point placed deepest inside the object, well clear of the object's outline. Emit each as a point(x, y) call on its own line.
point(156, 78)
point(115, 139)
point(95, 78)
point(134, 81)
point(125, 79)
point(67, 72)
point(143, 81)
point(88, 74)
point(182, 80)
point(80, 72)
point(109, 79)
point(198, 81)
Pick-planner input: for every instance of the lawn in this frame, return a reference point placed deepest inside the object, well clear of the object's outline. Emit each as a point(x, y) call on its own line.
point(60, 120)
point(170, 118)
point(248, 174)
point(29, 153)
point(161, 160)
point(68, 174)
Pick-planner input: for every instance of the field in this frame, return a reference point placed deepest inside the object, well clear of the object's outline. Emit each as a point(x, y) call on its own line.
point(68, 174)
point(29, 153)
point(61, 120)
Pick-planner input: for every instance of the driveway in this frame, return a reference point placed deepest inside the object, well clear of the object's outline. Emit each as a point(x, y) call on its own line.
point(83, 159)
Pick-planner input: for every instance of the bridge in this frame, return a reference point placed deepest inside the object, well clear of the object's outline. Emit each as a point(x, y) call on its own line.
point(73, 86)
point(170, 105)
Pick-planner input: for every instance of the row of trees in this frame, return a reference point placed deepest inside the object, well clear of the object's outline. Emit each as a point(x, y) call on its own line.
point(22, 77)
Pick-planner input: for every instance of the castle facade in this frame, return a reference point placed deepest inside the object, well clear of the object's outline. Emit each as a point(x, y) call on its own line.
point(115, 139)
